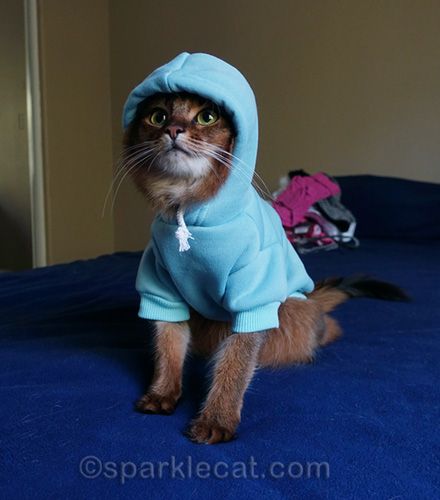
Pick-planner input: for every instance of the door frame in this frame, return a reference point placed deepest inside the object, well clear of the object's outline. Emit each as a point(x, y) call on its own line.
point(35, 135)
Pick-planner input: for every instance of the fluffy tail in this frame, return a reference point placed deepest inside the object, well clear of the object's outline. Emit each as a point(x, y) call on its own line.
point(331, 292)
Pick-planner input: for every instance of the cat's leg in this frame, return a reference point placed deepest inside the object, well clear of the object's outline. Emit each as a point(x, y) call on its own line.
point(234, 366)
point(171, 344)
point(303, 329)
point(207, 335)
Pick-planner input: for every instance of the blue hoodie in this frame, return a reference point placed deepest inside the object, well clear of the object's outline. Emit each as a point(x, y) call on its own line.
point(240, 266)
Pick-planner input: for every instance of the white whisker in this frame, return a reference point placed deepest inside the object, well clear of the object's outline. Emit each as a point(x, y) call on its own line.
point(136, 165)
point(121, 167)
point(263, 190)
point(237, 170)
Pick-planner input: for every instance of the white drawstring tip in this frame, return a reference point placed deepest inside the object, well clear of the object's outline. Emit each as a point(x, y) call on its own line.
point(182, 233)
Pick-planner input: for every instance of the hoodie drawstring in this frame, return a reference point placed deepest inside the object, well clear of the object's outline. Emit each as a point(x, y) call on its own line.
point(182, 233)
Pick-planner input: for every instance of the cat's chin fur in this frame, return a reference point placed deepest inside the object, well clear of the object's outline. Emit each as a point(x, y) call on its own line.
point(179, 181)
point(166, 194)
point(183, 165)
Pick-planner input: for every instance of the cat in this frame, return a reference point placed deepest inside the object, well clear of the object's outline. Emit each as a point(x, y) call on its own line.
point(179, 150)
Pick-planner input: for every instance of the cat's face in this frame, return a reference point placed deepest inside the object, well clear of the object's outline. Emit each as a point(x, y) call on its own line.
point(180, 135)
point(178, 149)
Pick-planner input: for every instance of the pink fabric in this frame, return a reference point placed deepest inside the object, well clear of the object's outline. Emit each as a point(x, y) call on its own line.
point(301, 193)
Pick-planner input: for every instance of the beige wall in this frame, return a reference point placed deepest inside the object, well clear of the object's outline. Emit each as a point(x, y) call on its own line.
point(345, 86)
point(15, 219)
point(75, 71)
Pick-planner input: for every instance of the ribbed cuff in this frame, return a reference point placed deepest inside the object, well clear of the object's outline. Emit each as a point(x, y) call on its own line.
point(158, 309)
point(255, 320)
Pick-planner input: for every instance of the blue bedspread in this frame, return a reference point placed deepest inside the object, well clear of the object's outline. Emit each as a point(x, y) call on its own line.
point(364, 417)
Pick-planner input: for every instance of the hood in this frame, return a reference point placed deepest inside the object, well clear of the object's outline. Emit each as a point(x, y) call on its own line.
point(218, 81)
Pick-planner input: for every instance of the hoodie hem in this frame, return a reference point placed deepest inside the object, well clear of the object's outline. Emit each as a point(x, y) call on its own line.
point(257, 319)
point(158, 309)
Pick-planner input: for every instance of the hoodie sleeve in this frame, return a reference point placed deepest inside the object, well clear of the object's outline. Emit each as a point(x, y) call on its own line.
point(261, 279)
point(159, 298)
point(255, 290)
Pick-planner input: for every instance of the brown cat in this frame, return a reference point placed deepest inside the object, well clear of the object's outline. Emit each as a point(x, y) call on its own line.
point(178, 149)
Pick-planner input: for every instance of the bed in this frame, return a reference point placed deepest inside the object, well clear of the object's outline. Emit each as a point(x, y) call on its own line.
point(360, 422)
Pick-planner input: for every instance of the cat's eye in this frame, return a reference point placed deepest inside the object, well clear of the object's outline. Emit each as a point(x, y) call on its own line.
point(158, 117)
point(207, 117)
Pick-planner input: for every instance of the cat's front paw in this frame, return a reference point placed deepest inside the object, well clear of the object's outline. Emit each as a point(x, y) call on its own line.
point(157, 403)
point(210, 431)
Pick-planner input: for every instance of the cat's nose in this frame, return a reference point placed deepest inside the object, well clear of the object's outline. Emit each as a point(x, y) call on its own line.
point(174, 130)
